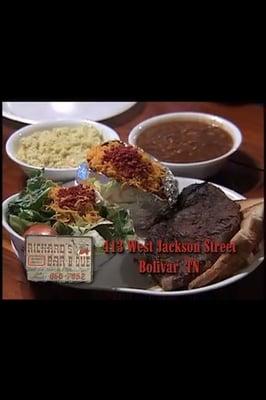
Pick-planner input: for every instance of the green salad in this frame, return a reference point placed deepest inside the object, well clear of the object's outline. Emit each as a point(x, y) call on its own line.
point(46, 206)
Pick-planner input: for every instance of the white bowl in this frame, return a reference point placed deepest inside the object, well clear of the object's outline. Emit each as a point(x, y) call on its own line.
point(56, 174)
point(202, 169)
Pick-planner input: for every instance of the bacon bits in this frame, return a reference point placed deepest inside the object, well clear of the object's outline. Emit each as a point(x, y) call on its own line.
point(128, 162)
point(76, 198)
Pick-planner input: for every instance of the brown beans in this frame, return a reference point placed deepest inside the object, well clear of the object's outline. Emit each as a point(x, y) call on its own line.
point(185, 141)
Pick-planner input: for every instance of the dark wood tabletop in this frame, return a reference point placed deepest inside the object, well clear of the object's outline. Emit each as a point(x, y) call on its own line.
point(243, 173)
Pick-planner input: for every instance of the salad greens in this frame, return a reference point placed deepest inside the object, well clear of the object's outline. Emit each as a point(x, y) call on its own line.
point(116, 224)
point(31, 207)
point(122, 224)
point(19, 225)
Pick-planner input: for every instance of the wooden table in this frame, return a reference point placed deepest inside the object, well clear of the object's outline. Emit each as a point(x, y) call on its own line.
point(243, 173)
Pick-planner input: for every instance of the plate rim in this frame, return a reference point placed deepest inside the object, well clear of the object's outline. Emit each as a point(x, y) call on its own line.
point(29, 121)
point(189, 292)
point(175, 293)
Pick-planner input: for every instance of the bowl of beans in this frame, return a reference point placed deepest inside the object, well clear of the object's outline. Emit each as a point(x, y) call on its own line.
point(190, 144)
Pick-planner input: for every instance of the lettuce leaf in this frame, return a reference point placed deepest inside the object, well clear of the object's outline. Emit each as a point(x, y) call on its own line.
point(122, 224)
point(30, 205)
point(19, 224)
point(117, 225)
point(64, 229)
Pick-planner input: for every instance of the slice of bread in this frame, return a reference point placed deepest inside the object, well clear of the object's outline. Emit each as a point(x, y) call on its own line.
point(247, 240)
point(247, 203)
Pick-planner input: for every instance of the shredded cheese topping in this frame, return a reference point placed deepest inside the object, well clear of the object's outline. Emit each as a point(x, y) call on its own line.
point(128, 165)
point(72, 203)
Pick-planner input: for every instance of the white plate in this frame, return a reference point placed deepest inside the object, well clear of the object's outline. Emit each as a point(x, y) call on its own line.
point(119, 272)
point(33, 112)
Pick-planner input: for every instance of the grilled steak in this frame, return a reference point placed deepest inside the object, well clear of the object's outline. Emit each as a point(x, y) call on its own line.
point(203, 212)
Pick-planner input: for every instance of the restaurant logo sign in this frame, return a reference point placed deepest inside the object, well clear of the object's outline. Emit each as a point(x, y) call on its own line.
point(59, 258)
